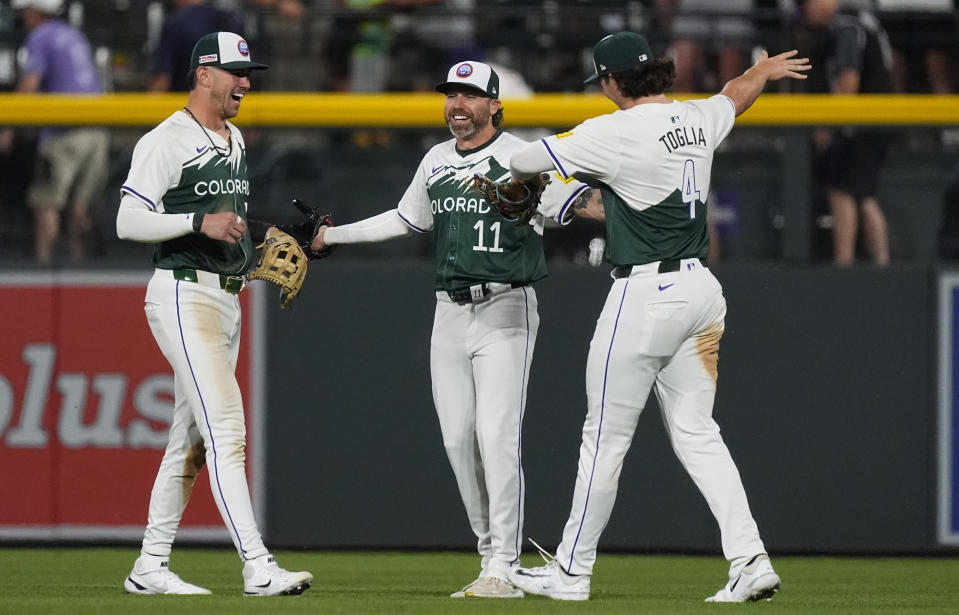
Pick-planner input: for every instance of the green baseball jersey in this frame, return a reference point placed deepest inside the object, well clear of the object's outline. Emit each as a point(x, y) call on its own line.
point(177, 169)
point(654, 162)
point(473, 243)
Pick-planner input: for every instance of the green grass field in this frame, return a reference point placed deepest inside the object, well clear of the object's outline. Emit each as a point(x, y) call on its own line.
point(89, 580)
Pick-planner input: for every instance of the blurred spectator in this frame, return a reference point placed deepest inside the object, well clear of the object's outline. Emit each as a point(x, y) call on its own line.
point(188, 23)
point(276, 29)
point(72, 163)
point(436, 34)
point(357, 51)
point(288, 9)
point(858, 60)
point(922, 34)
point(710, 40)
point(398, 45)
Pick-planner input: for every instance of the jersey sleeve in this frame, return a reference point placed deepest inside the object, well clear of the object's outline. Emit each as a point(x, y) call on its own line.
point(720, 112)
point(590, 149)
point(414, 208)
point(153, 171)
point(559, 196)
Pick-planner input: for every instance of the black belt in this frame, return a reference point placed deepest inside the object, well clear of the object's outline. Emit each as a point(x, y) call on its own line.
point(479, 292)
point(668, 266)
point(232, 284)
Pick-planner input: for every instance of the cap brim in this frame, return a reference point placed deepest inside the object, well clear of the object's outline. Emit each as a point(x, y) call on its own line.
point(443, 87)
point(592, 78)
point(241, 66)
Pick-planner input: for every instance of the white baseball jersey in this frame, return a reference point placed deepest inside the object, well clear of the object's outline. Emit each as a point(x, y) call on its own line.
point(660, 327)
point(655, 164)
point(472, 242)
point(176, 169)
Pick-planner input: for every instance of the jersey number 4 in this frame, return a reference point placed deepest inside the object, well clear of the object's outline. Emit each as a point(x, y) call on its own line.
point(690, 193)
point(481, 236)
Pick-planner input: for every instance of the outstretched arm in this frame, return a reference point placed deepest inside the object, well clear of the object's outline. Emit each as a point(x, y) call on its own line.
point(380, 227)
point(746, 88)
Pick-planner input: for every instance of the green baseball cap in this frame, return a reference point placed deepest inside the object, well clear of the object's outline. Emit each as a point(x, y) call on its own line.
point(224, 50)
point(618, 52)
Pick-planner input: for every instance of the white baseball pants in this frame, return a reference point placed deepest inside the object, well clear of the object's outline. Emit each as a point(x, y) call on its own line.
point(480, 357)
point(197, 326)
point(661, 332)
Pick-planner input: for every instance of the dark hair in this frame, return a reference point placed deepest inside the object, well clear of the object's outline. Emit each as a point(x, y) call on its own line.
point(498, 117)
point(191, 79)
point(655, 78)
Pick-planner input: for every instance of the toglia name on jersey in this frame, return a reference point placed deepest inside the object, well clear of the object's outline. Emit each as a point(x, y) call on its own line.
point(679, 137)
point(460, 203)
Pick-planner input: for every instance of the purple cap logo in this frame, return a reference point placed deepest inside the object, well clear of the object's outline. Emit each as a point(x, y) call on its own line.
point(464, 70)
point(243, 48)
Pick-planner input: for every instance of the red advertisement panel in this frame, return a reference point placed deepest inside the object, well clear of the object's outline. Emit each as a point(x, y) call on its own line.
point(86, 399)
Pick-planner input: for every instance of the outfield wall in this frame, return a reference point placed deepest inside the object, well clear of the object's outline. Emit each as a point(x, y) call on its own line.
point(831, 398)
point(826, 399)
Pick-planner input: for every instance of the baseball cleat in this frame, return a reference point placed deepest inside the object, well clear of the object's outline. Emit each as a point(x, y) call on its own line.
point(757, 581)
point(462, 593)
point(159, 581)
point(491, 587)
point(551, 581)
point(263, 577)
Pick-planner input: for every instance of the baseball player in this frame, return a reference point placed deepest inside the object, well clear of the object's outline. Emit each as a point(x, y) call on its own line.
point(187, 192)
point(486, 319)
point(663, 319)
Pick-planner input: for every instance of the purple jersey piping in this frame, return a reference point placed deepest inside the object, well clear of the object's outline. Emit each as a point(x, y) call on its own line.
point(569, 201)
point(139, 196)
point(559, 165)
point(410, 224)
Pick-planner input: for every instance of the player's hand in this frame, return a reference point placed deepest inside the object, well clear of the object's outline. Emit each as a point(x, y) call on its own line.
point(224, 226)
point(318, 243)
point(783, 65)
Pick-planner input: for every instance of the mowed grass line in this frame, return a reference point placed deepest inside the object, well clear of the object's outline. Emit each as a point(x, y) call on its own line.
point(89, 580)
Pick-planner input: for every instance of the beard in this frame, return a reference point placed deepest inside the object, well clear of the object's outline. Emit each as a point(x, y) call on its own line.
point(464, 131)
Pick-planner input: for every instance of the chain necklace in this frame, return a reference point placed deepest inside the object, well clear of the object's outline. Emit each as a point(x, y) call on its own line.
point(219, 150)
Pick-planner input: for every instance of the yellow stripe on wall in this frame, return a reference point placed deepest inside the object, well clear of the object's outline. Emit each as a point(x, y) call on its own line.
point(425, 110)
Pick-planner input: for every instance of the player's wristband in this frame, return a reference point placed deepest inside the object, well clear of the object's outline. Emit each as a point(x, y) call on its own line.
point(197, 222)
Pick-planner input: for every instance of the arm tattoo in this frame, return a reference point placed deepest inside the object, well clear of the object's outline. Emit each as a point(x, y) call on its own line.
point(582, 201)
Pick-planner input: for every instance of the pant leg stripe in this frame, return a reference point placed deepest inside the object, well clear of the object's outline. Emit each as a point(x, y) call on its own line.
point(519, 446)
point(206, 418)
point(599, 430)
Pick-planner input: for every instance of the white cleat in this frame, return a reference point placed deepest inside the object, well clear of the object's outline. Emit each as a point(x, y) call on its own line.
point(757, 581)
point(462, 593)
point(161, 580)
point(491, 587)
point(263, 577)
point(551, 581)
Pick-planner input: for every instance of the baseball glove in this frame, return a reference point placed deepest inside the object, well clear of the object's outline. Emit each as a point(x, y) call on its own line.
point(304, 232)
point(282, 262)
point(515, 202)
